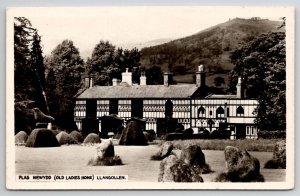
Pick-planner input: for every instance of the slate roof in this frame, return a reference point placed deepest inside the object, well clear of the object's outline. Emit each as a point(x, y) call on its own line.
point(137, 91)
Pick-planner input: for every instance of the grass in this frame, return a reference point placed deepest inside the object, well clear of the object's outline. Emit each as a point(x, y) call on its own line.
point(260, 145)
point(73, 159)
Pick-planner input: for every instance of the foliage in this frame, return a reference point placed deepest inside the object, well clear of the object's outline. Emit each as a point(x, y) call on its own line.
point(210, 47)
point(107, 63)
point(64, 67)
point(154, 75)
point(262, 65)
point(29, 79)
point(261, 145)
point(219, 81)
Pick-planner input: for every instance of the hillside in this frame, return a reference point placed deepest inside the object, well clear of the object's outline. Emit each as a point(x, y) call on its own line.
point(210, 47)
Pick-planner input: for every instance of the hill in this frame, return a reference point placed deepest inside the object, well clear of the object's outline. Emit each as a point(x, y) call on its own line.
point(211, 47)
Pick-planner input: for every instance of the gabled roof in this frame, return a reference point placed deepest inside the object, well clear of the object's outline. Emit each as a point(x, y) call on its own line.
point(138, 91)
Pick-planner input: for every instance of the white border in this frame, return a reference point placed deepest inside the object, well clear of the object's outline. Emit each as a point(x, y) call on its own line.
point(10, 148)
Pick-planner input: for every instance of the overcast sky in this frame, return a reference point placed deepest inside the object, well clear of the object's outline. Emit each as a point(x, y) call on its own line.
point(124, 26)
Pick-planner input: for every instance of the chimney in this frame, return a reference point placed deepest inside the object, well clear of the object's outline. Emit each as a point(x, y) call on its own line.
point(127, 77)
point(115, 82)
point(143, 79)
point(239, 90)
point(88, 80)
point(167, 78)
point(200, 76)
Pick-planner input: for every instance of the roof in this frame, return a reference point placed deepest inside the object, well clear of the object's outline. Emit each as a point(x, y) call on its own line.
point(138, 91)
point(221, 96)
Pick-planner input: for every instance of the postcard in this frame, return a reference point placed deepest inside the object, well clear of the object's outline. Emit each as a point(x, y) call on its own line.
point(158, 97)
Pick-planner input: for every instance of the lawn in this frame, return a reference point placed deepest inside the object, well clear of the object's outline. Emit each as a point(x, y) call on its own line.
point(73, 159)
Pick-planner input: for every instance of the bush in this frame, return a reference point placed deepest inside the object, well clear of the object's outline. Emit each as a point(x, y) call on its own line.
point(188, 131)
point(263, 134)
point(64, 138)
point(42, 138)
point(92, 138)
point(21, 137)
point(77, 136)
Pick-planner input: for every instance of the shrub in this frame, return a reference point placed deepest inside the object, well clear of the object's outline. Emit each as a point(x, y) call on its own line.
point(21, 137)
point(77, 136)
point(263, 134)
point(92, 138)
point(42, 138)
point(188, 131)
point(64, 138)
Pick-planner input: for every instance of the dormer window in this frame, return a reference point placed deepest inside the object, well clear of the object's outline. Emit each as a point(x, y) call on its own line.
point(240, 111)
point(201, 112)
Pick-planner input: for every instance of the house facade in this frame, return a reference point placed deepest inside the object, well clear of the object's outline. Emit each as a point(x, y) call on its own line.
point(186, 104)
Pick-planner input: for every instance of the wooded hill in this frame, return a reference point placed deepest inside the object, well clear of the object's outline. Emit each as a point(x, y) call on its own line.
point(211, 47)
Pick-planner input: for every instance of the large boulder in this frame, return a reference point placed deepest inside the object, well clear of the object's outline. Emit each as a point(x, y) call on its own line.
point(92, 138)
point(105, 155)
point(21, 137)
point(193, 156)
point(77, 136)
point(240, 167)
point(133, 135)
point(65, 138)
point(164, 151)
point(42, 138)
point(106, 149)
point(174, 170)
point(279, 156)
point(147, 136)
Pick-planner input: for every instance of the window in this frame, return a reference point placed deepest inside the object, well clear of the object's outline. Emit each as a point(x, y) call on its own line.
point(169, 108)
point(240, 111)
point(210, 113)
point(201, 112)
point(137, 108)
point(247, 131)
point(113, 106)
point(228, 114)
point(220, 112)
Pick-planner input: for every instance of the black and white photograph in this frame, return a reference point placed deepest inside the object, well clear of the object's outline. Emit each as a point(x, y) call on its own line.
point(158, 97)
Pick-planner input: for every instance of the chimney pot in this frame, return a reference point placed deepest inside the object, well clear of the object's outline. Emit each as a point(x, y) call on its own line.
point(143, 79)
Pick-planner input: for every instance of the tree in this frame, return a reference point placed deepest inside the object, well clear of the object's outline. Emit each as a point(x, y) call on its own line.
point(219, 81)
point(154, 75)
point(107, 63)
point(262, 64)
point(28, 73)
point(65, 67)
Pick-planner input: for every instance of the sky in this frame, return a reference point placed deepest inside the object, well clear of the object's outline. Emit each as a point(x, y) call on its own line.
point(128, 26)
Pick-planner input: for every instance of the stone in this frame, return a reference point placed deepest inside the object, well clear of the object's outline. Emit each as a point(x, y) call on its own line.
point(164, 151)
point(106, 149)
point(133, 135)
point(193, 156)
point(105, 155)
point(279, 156)
point(174, 170)
point(147, 136)
point(240, 167)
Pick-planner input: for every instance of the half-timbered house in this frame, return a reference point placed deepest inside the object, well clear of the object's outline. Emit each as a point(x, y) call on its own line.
point(186, 104)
